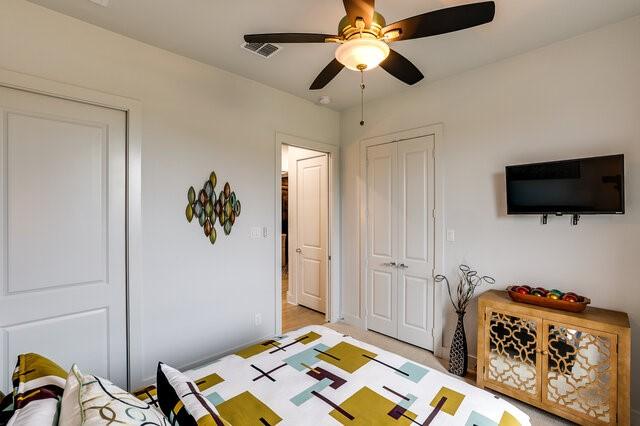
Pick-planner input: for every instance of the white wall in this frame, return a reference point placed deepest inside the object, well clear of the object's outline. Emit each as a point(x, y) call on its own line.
point(195, 119)
point(580, 97)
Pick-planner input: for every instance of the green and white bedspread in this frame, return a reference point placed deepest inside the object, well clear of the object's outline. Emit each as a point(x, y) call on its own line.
point(316, 376)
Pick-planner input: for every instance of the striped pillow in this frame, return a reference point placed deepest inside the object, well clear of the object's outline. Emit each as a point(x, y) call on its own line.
point(38, 386)
point(181, 401)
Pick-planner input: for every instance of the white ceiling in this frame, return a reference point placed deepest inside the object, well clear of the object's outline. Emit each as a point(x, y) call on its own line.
point(211, 31)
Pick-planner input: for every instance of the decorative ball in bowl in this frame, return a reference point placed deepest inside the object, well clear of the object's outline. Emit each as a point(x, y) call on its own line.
point(554, 298)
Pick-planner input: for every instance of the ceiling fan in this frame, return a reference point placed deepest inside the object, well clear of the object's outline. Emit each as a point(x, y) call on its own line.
point(364, 38)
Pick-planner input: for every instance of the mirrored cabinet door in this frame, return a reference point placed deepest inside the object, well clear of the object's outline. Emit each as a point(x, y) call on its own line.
point(575, 365)
point(579, 371)
point(512, 359)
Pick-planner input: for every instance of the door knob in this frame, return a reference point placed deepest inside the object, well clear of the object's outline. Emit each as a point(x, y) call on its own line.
point(402, 266)
point(299, 250)
point(392, 264)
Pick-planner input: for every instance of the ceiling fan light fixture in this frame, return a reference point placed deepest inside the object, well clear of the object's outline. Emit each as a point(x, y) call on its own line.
point(362, 53)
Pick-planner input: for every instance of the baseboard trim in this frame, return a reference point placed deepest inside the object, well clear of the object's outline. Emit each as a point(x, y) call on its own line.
point(472, 360)
point(353, 320)
point(291, 299)
point(473, 363)
point(207, 360)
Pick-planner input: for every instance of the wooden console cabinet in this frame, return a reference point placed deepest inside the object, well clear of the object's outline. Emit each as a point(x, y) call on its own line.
point(574, 365)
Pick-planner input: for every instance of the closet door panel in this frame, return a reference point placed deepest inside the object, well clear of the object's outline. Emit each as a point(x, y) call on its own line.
point(382, 238)
point(415, 240)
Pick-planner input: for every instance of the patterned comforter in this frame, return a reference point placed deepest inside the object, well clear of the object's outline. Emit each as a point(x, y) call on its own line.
point(317, 376)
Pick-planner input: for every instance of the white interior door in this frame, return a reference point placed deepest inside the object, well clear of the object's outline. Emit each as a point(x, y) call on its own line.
point(62, 248)
point(400, 239)
point(382, 248)
point(312, 226)
point(416, 241)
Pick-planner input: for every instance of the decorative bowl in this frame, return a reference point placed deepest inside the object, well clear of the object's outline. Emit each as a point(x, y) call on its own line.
point(546, 302)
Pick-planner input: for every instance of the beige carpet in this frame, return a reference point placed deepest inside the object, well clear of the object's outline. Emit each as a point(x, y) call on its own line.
point(538, 417)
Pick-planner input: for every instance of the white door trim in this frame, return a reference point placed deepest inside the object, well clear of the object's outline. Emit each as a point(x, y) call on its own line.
point(133, 110)
point(439, 301)
point(333, 286)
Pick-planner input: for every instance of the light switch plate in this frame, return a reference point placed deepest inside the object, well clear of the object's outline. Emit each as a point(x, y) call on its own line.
point(256, 232)
point(451, 235)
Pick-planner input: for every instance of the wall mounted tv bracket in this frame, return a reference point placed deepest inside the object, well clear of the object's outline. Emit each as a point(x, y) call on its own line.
point(574, 218)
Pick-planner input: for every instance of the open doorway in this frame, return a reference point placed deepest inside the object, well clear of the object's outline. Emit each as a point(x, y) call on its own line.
point(304, 237)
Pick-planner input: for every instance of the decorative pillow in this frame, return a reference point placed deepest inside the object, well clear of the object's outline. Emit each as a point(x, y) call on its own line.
point(182, 402)
point(38, 385)
point(92, 401)
point(70, 413)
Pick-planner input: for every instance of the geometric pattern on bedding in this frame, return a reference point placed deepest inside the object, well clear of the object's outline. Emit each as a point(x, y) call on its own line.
point(316, 376)
point(246, 409)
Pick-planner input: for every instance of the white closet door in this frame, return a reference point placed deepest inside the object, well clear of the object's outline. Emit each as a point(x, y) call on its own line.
point(312, 219)
point(62, 234)
point(416, 241)
point(382, 247)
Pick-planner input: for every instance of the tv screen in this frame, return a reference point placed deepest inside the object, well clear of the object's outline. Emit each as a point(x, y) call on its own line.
point(581, 186)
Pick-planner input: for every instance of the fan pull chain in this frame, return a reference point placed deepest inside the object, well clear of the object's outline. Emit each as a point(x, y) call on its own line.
point(362, 86)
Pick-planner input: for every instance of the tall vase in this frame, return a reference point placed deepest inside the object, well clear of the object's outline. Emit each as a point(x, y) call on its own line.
point(458, 355)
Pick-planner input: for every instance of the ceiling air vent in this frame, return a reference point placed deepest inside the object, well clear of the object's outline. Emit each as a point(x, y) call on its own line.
point(103, 3)
point(266, 50)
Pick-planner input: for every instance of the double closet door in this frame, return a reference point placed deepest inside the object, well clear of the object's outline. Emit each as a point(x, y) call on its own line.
point(400, 240)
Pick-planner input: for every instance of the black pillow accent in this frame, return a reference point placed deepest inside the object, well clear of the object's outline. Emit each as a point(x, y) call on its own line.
point(168, 399)
point(6, 408)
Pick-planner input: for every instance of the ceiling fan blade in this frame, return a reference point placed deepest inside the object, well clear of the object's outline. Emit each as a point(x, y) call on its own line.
point(326, 75)
point(287, 38)
point(401, 68)
point(360, 9)
point(443, 21)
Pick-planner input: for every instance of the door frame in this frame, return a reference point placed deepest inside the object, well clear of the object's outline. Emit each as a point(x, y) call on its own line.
point(333, 265)
point(439, 301)
point(133, 203)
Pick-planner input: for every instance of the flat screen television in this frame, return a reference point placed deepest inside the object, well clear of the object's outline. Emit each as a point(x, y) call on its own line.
point(582, 186)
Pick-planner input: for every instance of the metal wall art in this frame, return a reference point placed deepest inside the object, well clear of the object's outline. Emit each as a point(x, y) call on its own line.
point(207, 207)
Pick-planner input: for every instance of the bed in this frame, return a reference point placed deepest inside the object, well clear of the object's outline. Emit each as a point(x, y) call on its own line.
point(317, 376)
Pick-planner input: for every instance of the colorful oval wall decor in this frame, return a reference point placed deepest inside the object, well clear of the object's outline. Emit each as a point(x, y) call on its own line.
point(209, 208)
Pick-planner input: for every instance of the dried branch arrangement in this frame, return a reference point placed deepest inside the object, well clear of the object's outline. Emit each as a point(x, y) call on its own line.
point(467, 284)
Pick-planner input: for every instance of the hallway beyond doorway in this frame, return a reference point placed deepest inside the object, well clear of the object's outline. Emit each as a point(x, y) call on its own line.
point(296, 316)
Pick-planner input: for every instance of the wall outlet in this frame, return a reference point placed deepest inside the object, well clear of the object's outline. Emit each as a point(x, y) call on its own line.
point(257, 319)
